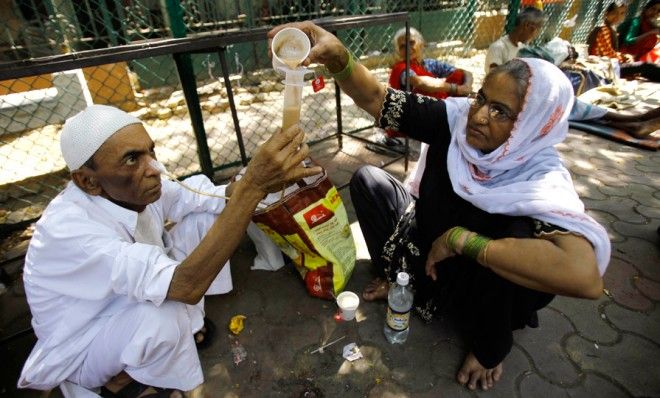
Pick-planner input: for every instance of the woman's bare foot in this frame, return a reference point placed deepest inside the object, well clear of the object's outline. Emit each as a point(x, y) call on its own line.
point(376, 290)
point(472, 372)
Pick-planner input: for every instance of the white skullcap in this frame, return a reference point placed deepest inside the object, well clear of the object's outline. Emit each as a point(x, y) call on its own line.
point(84, 133)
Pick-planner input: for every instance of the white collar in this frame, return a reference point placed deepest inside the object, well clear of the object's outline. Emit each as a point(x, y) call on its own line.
point(127, 218)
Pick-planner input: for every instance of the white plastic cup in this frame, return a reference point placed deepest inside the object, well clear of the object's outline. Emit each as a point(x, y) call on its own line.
point(348, 303)
point(290, 47)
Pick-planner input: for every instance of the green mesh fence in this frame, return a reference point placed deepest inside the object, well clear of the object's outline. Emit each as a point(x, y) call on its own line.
point(33, 109)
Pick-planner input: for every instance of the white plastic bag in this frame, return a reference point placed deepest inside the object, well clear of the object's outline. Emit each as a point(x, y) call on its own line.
point(269, 256)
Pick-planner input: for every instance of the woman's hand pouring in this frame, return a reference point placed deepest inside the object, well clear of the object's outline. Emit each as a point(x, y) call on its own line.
point(326, 49)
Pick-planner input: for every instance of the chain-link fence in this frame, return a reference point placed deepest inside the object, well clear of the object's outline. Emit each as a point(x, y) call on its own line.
point(197, 123)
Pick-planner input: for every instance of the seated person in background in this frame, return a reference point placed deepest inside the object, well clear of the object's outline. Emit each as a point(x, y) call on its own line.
point(603, 42)
point(428, 76)
point(115, 297)
point(639, 36)
point(528, 25)
point(562, 54)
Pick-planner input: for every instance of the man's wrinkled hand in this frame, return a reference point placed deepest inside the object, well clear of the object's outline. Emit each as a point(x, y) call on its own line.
point(278, 162)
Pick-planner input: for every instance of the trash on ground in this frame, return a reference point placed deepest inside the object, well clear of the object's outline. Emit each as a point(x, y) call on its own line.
point(238, 352)
point(352, 352)
point(321, 348)
point(236, 324)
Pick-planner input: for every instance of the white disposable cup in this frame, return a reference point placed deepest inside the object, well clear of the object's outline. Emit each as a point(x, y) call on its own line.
point(298, 44)
point(348, 303)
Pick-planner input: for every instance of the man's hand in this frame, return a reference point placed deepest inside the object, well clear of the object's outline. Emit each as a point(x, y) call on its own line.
point(277, 162)
point(439, 251)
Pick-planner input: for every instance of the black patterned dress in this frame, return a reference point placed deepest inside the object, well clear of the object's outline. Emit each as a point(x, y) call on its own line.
point(486, 305)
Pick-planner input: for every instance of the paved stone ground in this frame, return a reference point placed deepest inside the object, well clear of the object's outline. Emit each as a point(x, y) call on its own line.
point(604, 348)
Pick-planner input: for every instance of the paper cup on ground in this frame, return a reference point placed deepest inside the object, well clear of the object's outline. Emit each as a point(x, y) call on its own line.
point(348, 303)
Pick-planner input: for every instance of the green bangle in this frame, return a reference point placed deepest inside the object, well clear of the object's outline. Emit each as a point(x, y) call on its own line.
point(452, 237)
point(474, 246)
point(347, 71)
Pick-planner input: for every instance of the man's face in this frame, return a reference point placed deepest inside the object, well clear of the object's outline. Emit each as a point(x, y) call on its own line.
point(123, 171)
point(530, 31)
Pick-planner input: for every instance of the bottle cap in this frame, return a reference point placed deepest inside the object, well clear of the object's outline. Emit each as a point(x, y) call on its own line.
point(402, 278)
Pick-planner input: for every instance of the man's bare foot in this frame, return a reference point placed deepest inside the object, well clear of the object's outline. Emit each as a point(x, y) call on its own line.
point(376, 290)
point(472, 373)
point(122, 382)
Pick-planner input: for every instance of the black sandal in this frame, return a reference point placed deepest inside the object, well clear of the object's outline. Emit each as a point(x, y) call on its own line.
point(135, 388)
point(207, 335)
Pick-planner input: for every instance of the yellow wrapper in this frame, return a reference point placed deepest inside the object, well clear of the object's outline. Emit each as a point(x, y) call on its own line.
point(236, 324)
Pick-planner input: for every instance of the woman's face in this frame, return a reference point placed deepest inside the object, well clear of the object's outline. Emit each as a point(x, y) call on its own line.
point(416, 48)
point(651, 13)
point(616, 16)
point(491, 118)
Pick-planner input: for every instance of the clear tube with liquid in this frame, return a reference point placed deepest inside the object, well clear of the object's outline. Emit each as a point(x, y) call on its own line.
point(293, 86)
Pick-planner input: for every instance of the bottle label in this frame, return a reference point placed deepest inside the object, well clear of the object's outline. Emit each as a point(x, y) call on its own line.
point(397, 320)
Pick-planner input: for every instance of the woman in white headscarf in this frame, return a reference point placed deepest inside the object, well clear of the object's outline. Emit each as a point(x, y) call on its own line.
point(498, 228)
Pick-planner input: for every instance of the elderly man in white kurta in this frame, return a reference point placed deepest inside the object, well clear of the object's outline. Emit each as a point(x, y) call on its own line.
point(110, 289)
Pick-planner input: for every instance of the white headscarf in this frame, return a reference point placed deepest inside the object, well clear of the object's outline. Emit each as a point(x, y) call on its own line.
point(525, 175)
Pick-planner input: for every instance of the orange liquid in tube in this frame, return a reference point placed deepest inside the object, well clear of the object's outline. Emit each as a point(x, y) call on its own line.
point(290, 116)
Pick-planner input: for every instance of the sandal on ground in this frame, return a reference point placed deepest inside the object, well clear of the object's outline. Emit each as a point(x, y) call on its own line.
point(135, 388)
point(206, 334)
point(377, 289)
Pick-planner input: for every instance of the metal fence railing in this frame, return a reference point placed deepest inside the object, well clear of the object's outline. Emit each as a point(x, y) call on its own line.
point(209, 107)
point(206, 122)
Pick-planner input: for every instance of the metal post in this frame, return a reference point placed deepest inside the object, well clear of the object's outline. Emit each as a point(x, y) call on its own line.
point(184, 67)
point(514, 6)
point(222, 54)
point(107, 21)
point(406, 156)
point(340, 128)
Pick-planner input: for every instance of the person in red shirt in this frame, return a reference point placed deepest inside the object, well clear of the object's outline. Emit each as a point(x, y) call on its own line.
point(639, 35)
point(428, 76)
point(603, 41)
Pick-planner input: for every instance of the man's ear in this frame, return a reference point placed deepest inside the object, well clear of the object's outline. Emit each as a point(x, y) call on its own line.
point(85, 179)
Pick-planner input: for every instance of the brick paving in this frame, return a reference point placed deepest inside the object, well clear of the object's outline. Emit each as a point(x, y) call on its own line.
point(608, 347)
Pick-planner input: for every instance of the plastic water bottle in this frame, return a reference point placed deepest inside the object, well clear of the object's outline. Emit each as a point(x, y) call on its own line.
point(400, 301)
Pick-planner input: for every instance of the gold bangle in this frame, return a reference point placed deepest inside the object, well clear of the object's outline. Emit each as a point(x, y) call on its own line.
point(484, 255)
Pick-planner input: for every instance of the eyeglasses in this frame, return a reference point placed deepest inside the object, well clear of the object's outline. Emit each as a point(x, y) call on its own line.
point(495, 111)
